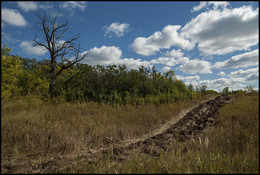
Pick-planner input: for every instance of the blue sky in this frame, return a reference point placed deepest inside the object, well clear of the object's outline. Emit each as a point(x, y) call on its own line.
point(205, 43)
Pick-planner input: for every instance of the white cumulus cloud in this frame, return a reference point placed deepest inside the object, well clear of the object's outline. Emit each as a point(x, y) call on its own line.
point(242, 72)
point(170, 61)
point(174, 53)
point(104, 55)
point(207, 4)
point(220, 83)
point(242, 60)
point(116, 29)
point(13, 17)
point(27, 5)
point(252, 77)
point(219, 32)
point(132, 63)
point(217, 4)
point(235, 80)
point(164, 39)
point(196, 66)
point(222, 74)
point(171, 58)
point(110, 55)
point(188, 78)
point(199, 7)
point(166, 68)
point(27, 46)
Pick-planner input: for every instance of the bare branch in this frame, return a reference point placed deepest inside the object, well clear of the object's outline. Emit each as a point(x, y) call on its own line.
point(70, 64)
point(39, 44)
point(69, 44)
point(78, 58)
point(55, 29)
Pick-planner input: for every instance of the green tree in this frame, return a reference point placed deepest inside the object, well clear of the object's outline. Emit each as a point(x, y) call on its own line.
point(170, 74)
point(190, 88)
point(11, 69)
point(190, 91)
point(202, 89)
point(225, 91)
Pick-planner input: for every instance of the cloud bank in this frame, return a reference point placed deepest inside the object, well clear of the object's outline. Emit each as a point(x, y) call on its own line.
point(242, 60)
point(164, 39)
point(219, 32)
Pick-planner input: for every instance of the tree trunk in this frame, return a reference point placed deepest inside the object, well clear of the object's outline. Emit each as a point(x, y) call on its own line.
point(52, 86)
point(52, 78)
point(51, 89)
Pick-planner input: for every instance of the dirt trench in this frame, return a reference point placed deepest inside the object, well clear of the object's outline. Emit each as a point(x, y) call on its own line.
point(188, 126)
point(192, 124)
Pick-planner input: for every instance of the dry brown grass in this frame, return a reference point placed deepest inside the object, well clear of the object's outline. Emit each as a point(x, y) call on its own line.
point(32, 129)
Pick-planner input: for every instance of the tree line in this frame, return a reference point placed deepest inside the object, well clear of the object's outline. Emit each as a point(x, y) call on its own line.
point(114, 84)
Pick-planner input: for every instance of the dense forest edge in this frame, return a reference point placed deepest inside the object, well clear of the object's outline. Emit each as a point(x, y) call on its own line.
point(113, 84)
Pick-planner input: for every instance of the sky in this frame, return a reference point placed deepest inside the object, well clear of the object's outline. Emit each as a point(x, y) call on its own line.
point(212, 43)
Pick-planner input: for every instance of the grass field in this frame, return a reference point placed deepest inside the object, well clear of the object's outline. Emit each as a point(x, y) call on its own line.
point(32, 129)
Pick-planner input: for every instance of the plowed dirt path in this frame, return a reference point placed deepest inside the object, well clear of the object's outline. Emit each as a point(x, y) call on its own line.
point(187, 126)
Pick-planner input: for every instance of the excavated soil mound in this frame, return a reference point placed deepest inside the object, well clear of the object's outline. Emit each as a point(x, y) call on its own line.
point(193, 123)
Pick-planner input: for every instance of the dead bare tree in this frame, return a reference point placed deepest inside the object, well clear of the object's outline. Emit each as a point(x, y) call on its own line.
point(59, 49)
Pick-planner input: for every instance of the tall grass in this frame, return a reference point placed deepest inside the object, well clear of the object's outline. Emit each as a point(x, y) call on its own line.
point(32, 129)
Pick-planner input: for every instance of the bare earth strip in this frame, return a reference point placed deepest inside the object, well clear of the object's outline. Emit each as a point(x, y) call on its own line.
point(187, 125)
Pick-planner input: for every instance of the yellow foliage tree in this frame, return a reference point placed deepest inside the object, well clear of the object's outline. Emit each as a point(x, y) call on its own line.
point(11, 69)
